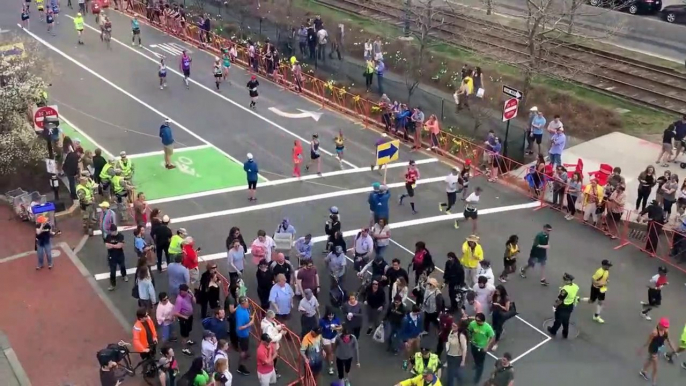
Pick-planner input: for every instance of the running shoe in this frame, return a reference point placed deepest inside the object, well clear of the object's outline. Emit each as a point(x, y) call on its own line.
point(598, 319)
point(544, 282)
point(683, 365)
point(331, 371)
point(190, 342)
point(440, 207)
point(457, 225)
point(400, 199)
point(646, 316)
point(643, 374)
point(521, 273)
point(188, 352)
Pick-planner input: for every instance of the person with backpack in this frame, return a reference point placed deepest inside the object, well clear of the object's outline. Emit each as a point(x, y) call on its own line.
point(311, 350)
point(422, 262)
point(332, 226)
point(336, 262)
point(410, 332)
point(432, 303)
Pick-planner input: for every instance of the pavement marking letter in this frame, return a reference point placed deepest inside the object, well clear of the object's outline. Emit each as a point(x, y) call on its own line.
point(387, 152)
point(302, 114)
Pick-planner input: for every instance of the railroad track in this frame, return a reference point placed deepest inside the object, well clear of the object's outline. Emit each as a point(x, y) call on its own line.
point(648, 84)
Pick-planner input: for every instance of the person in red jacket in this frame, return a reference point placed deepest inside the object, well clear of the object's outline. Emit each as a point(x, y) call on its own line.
point(144, 334)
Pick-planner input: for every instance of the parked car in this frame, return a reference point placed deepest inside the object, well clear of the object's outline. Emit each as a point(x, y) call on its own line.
point(674, 13)
point(631, 6)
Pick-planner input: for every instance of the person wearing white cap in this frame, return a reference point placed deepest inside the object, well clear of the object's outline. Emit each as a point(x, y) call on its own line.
point(167, 143)
point(251, 173)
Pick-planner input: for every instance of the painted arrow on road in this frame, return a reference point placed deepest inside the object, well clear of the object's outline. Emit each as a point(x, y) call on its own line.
point(302, 114)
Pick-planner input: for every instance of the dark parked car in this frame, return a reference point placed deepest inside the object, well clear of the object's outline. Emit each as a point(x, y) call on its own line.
point(674, 13)
point(631, 6)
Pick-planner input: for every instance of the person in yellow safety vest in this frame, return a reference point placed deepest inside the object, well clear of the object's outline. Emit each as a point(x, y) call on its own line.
point(121, 191)
point(126, 166)
point(176, 243)
point(78, 24)
point(86, 202)
point(564, 305)
point(90, 182)
point(106, 175)
point(428, 378)
point(472, 255)
point(425, 360)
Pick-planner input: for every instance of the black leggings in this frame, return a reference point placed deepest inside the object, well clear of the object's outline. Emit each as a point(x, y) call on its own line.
point(369, 79)
point(430, 317)
point(571, 204)
point(343, 366)
point(643, 194)
point(160, 249)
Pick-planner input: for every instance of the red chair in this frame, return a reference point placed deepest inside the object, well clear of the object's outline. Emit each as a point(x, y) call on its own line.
point(603, 174)
point(575, 168)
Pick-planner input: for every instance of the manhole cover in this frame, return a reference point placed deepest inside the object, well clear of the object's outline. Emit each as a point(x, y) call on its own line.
point(55, 253)
point(573, 330)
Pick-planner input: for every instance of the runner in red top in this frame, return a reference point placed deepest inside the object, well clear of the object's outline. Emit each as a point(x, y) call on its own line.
point(411, 177)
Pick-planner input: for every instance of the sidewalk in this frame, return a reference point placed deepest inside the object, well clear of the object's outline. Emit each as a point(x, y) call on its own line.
point(56, 320)
point(10, 371)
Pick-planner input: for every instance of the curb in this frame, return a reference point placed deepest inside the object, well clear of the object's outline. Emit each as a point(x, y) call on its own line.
point(126, 325)
point(13, 360)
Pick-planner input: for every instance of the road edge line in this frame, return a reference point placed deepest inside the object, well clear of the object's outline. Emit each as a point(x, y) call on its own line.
point(88, 137)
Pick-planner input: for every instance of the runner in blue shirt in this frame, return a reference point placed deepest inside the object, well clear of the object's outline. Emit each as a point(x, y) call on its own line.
point(25, 16)
point(185, 65)
point(50, 20)
point(136, 31)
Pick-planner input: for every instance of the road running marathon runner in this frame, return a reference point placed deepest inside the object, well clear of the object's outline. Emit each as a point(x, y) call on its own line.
point(315, 156)
point(135, 31)
point(471, 210)
point(40, 5)
point(679, 350)
point(252, 90)
point(25, 16)
point(451, 182)
point(78, 25)
point(339, 141)
point(185, 65)
point(655, 344)
point(599, 288)
point(55, 9)
point(411, 177)
point(162, 74)
point(465, 175)
point(218, 72)
point(50, 21)
point(105, 29)
point(655, 292)
point(297, 157)
point(539, 253)
point(226, 63)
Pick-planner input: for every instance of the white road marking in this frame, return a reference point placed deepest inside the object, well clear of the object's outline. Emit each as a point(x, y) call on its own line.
point(161, 152)
point(84, 135)
point(238, 105)
point(168, 48)
point(302, 114)
point(278, 204)
point(353, 232)
point(159, 56)
point(529, 351)
point(282, 181)
point(116, 87)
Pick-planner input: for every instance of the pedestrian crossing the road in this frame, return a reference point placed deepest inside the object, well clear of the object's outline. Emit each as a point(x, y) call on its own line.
point(173, 49)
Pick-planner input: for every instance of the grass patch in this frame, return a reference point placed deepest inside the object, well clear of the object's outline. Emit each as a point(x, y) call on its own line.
point(586, 110)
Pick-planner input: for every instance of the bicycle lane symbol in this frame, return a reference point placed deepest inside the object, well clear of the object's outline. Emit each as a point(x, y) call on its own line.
point(185, 165)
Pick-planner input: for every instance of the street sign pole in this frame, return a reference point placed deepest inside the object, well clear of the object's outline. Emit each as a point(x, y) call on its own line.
point(507, 134)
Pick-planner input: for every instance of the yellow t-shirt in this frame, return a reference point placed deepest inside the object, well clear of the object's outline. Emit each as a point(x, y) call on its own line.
point(511, 251)
point(601, 276)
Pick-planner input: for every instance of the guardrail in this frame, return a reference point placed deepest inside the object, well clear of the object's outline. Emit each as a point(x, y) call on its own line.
point(455, 148)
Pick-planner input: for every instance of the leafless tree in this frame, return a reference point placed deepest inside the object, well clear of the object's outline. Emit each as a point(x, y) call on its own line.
point(423, 18)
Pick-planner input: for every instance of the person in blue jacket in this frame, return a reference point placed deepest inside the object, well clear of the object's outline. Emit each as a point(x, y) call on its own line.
point(168, 143)
point(370, 200)
point(411, 331)
point(251, 172)
point(330, 325)
point(379, 201)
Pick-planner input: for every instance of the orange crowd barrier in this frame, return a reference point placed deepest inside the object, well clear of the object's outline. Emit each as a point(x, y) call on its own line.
point(618, 226)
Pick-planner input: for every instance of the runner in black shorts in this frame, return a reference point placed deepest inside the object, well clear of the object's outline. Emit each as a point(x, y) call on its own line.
point(655, 291)
point(411, 177)
point(315, 154)
point(471, 211)
point(252, 88)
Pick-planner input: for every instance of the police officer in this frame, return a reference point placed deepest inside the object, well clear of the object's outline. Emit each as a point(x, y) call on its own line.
point(106, 175)
point(564, 305)
point(425, 360)
point(121, 192)
point(86, 202)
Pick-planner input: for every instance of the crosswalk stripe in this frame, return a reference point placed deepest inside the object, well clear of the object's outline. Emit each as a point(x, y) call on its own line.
point(168, 49)
point(179, 47)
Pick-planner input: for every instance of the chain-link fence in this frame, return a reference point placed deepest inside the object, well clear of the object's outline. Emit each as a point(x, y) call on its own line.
point(241, 24)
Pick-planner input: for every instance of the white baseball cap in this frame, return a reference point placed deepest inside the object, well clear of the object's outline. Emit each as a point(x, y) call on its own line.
point(249, 155)
point(534, 109)
point(165, 219)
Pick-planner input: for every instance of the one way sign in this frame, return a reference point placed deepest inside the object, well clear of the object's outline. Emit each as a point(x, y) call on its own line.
point(513, 92)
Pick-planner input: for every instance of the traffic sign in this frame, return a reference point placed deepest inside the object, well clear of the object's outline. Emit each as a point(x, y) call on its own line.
point(387, 152)
point(40, 113)
point(513, 92)
point(510, 109)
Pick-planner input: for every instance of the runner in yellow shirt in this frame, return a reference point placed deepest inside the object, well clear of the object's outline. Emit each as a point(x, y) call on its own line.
point(598, 288)
point(682, 348)
point(78, 24)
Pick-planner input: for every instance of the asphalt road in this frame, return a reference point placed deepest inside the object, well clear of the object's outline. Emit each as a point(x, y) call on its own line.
point(644, 33)
point(124, 94)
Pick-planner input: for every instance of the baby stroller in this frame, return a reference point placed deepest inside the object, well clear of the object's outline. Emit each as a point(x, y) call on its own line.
point(337, 295)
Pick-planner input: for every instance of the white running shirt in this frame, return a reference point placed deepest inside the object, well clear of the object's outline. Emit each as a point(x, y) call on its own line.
point(472, 202)
point(451, 182)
